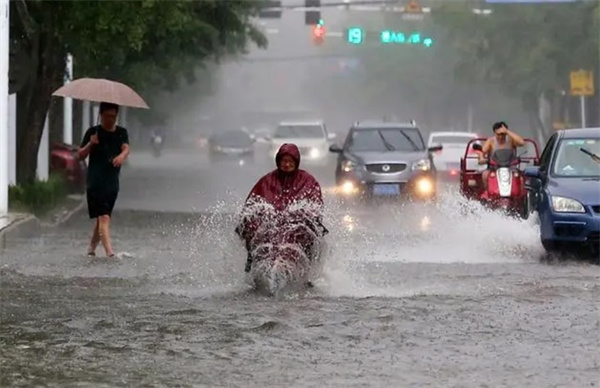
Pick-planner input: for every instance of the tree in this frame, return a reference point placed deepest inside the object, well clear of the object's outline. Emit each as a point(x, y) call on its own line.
point(525, 50)
point(145, 43)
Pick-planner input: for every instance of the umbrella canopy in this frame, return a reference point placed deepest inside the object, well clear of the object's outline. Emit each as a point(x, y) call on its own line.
point(102, 90)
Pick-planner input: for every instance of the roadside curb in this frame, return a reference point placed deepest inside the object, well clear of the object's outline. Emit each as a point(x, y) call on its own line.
point(27, 225)
point(66, 217)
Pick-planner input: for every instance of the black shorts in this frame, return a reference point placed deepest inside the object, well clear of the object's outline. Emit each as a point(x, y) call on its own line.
point(101, 203)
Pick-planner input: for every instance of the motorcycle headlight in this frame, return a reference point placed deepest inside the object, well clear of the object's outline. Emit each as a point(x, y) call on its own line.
point(566, 205)
point(348, 165)
point(423, 165)
point(314, 153)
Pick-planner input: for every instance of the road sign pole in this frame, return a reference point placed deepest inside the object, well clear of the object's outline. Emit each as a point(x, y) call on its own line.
point(582, 102)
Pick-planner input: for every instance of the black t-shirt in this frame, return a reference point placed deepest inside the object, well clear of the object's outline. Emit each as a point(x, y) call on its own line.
point(102, 175)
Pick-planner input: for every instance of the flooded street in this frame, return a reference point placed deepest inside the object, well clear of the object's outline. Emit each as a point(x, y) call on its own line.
point(410, 296)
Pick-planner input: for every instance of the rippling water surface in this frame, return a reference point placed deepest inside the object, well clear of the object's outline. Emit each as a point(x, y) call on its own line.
point(410, 296)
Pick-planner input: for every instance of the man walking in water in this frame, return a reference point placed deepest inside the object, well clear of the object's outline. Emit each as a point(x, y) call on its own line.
point(107, 145)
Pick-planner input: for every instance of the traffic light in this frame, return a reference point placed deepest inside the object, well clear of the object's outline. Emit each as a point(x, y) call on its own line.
point(319, 32)
point(270, 9)
point(312, 17)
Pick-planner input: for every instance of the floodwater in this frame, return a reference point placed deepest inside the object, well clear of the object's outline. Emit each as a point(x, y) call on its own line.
point(410, 296)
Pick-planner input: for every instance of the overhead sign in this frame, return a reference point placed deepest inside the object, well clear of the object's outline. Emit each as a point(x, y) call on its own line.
point(413, 11)
point(582, 83)
point(396, 37)
point(413, 6)
point(530, 1)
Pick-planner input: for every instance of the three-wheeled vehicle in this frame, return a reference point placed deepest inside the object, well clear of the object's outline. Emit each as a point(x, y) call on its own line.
point(505, 181)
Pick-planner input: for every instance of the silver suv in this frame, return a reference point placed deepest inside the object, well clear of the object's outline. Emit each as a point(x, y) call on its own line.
point(386, 159)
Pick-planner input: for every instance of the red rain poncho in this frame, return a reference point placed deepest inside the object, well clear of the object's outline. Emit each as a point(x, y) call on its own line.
point(282, 189)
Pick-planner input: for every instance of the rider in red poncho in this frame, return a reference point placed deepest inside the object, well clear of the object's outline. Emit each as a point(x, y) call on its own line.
point(281, 188)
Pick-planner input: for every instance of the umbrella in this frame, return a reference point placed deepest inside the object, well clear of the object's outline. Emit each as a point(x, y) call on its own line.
point(102, 90)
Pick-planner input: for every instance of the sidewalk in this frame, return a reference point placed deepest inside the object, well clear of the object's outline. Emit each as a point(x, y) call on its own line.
point(17, 225)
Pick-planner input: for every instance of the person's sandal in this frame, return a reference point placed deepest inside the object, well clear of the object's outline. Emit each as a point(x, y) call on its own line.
point(91, 254)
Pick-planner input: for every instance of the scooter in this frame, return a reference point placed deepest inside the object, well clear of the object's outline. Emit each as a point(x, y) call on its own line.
point(156, 146)
point(285, 252)
point(505, 184)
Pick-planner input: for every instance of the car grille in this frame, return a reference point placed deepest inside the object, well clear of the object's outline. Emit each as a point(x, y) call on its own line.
point(596, 209)
point(305, 150)
point(386, 168)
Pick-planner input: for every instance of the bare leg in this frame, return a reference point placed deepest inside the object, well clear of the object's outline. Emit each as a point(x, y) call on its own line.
point(104, 230)
point(95, 239)
point(484, 179)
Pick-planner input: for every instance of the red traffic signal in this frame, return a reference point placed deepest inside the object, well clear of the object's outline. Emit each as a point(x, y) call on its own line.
point(318, 33)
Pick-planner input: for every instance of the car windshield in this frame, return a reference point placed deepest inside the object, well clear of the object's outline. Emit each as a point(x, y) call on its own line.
point(450, 139)
point(299, 131)
point(386, 139)
point(233, 139)
point(572, 161)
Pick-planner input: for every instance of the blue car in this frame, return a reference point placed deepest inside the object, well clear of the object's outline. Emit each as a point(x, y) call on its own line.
point(565, 191)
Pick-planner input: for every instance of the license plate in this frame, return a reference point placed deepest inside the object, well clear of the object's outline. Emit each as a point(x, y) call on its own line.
point(386, 189)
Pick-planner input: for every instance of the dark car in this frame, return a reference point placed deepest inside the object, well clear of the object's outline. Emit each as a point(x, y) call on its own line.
point(232, 145)
point(386, 159)
point(566, 192)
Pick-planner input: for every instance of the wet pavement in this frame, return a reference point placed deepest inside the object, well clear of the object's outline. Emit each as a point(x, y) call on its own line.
point(411, 296)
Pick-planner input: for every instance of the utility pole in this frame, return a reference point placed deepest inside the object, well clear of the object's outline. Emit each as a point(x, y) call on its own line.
point(68, 105)
point(4, 55)
point(85, 117)
point(582, 103)
point(44, 153)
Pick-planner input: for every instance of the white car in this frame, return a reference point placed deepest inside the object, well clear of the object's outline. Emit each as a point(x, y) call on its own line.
point(311, 137)
point(447, 161)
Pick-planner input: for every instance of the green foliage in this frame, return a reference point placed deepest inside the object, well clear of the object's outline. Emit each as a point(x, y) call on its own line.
point(149, 44)
point(524, 49)
point(153, 43)
point(38, 197)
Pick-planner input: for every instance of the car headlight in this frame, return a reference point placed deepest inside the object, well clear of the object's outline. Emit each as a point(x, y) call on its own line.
point(348, 165)
point(314, 153)
point(566, 205)
point(423, 165)
point(348, 188)
point(425, 186)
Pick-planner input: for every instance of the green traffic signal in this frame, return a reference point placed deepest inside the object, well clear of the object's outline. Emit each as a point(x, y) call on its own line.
point(396, 37)
point(355, 35)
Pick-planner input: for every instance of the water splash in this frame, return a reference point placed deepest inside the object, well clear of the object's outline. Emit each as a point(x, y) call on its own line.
point(373, 243)
point(368, 245)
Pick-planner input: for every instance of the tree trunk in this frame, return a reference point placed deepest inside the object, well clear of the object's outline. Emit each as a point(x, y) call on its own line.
point(33, 103)
point(56, 118)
